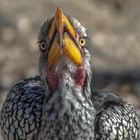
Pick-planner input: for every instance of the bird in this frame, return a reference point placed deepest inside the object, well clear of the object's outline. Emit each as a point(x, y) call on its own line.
point(61, 102)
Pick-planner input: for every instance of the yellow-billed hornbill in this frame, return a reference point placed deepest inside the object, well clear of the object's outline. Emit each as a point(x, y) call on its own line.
point(59, 104)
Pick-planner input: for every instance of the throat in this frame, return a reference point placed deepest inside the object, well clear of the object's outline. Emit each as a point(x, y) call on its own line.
point(55, 80)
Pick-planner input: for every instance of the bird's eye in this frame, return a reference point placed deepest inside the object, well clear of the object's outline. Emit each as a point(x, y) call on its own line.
point(43, 46)
point(82, 41)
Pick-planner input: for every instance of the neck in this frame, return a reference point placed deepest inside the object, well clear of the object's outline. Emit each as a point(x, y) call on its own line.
point(68, 110)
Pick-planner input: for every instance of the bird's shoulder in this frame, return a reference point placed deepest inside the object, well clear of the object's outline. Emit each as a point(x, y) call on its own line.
point(115, 119)
point(22, 109)
point(27, 89)
point(26, 93)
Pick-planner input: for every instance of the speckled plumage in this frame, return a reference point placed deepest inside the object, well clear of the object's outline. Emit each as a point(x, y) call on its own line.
point(115, 119)
point(22, 110)
point(32, 111)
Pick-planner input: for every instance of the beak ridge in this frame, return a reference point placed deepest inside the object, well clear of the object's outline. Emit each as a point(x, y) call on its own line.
point(63, 43)
point(59, 20)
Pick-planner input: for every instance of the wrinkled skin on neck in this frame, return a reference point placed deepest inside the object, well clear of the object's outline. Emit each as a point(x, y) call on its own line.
point(55, 77)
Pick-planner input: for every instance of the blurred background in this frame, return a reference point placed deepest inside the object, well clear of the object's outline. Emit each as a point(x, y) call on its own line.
point(114, 31)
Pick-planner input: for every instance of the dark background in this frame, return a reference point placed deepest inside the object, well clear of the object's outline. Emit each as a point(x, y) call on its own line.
point(114, 32)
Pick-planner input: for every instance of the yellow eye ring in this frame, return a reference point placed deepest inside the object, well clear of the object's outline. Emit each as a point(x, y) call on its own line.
point(43, 46)
point(82, 42)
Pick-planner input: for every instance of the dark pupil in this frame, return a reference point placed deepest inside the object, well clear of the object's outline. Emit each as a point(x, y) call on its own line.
point(82, 41)
point(43, 46)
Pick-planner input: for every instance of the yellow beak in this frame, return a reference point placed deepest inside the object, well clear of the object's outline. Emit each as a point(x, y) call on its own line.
point(63, 40)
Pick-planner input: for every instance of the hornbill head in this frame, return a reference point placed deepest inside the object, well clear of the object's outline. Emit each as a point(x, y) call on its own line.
point(63, 52)
point(65, 71)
